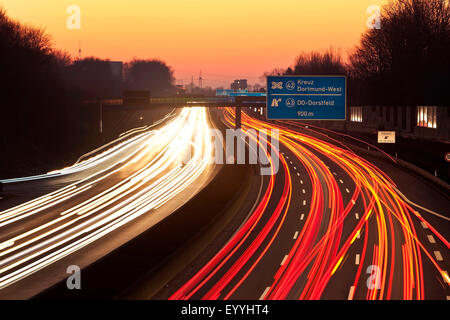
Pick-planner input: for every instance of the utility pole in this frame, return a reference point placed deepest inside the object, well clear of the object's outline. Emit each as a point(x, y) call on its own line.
point(100, 107)
point(79, 50)
point(200, 80)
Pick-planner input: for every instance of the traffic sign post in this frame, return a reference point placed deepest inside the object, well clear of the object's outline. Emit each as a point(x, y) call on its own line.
point(306, 97)
point(386, 136)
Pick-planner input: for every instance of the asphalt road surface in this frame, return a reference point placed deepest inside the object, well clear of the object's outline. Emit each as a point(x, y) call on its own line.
point(329, 225)
point(79, 214)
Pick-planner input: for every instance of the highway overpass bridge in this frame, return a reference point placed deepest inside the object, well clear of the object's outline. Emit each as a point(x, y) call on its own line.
point(185, 102)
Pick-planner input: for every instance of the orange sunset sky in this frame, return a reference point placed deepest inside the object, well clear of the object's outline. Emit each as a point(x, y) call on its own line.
point(225, 39)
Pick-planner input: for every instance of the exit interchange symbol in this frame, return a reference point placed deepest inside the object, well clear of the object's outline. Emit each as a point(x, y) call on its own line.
point(275, 102)
point(277, 85)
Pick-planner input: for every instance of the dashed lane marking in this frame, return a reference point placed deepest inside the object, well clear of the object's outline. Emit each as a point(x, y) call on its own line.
point(445, 277)
point(295, 235)
point(340, 180)
point(264, 293)
point(351, 293)
point(431, 238)
point(353, 201)
point(357, 216)
point(303, 191)
point(346, 189)
point(301, 181)
point(357, 259)
point(298, 174)
point(304, 202)
point(424, 225)
point(438, 255)
point(302, 216)
point(284, 260)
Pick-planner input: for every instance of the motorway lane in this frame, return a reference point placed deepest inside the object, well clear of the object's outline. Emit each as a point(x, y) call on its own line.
point(130, 142)
point(427, 196)
point(153, 178)
point(355, 219)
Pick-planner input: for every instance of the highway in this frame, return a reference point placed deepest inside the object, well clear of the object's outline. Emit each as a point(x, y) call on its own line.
point(328, 225)
point(100, 202)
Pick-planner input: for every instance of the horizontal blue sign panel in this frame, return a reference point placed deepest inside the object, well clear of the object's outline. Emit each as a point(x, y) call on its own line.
point(306, 97)
point(229, 92)
point(248, 94)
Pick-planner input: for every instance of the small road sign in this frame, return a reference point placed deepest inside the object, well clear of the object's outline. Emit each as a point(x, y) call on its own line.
point(386, 136)
point(306, 97)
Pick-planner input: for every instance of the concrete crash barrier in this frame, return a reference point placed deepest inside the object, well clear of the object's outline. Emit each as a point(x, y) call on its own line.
point(149, 249)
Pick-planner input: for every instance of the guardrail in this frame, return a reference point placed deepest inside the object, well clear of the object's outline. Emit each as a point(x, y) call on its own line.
point(123, 136)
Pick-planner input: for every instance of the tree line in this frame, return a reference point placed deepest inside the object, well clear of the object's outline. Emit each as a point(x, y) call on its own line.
point(44, 122)
point(405, 62)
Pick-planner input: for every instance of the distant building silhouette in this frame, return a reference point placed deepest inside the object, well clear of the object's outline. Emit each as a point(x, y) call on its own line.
point(239, 85)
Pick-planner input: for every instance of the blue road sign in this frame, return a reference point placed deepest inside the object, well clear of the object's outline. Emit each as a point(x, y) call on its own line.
point(306, 97)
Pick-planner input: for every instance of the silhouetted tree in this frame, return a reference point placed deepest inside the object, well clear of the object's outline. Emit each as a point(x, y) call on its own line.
point(273, 72)
point(38, 116)
point(316, 63)
point(407, 60)
point(29, 82)
point(153, 75)
point(313, 63)
point(94, 77)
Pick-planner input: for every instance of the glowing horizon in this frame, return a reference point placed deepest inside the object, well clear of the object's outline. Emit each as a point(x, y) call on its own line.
point(227, 40)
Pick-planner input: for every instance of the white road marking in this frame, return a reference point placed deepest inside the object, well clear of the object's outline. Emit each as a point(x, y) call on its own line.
point(290, 162)
point(340, 180)
point(264, 293)
point(445, 276)
point(298, 174)
point(353, 201)
point(431, 238)
point(346, 189)
point(357, 259)
point(358, 235)
point(438, 255)
point(295, 235)
point(304, 202)
point(303, 191)
point(302, 216)
point(284, 260)
point(335, 173)
point(420, 207)
point(295, 168)
point(301, 181)
point(424, 225)
point(357, 216)
point(351, 292)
